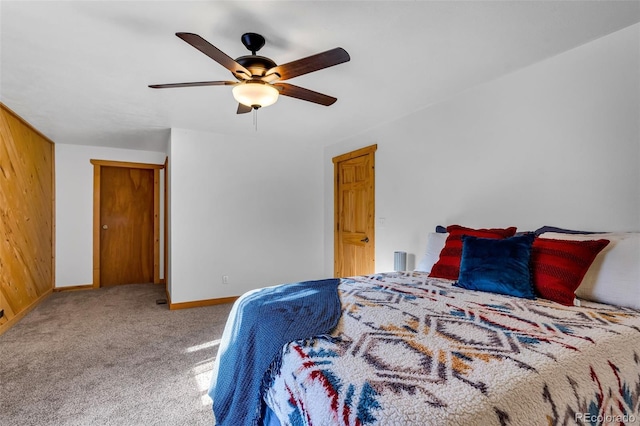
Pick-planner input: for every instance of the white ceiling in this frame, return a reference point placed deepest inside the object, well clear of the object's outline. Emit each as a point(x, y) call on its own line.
point(78, 70)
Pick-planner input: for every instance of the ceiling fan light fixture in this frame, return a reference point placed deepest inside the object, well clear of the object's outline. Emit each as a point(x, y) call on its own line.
point(255, 94)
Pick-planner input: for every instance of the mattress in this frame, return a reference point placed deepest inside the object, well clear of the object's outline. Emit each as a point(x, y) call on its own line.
point(409, 349)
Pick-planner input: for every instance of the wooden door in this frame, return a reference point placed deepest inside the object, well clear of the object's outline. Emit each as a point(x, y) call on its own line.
point(354, 210)
point(126, 225)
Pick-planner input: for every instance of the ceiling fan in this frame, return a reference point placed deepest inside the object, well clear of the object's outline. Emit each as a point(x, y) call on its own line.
point(259, 78)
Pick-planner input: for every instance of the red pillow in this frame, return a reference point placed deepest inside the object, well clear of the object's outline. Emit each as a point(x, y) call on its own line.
point(448, 265)
point(558, 266)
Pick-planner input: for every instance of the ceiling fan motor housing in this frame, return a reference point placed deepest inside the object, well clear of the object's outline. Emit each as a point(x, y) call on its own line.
point(258, 65)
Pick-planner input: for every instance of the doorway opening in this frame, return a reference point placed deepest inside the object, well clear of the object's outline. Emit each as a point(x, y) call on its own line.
point(126, 223)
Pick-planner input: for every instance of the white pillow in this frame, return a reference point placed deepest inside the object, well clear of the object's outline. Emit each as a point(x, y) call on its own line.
point(435, 244)
point(614, 275)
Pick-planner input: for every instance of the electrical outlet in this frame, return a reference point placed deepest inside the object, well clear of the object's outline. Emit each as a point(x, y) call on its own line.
point(225, 279)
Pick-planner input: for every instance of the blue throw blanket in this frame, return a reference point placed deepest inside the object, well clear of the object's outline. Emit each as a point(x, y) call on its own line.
point(261, 322)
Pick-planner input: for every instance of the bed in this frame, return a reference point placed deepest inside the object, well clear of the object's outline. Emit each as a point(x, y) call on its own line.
point(412, 348)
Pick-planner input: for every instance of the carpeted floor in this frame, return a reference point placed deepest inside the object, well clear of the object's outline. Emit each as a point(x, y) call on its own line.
point(109, 357)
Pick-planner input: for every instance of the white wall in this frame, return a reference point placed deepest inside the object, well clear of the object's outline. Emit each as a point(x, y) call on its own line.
point(249, 208)
point(74, 206)
point(557, 143)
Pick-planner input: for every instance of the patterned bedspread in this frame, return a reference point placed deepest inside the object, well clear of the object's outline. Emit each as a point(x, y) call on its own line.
point(413, 350)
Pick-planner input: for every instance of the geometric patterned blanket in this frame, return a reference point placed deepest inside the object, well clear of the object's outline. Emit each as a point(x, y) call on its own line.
point(414, 350)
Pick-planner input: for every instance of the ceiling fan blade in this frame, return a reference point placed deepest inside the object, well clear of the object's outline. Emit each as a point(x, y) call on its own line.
point(310, 64)
point(287, 89)
point(243, 109)
point(216, 54)
point(197, 83)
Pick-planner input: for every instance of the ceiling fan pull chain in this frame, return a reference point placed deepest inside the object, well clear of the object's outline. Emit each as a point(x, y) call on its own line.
point(255, 119)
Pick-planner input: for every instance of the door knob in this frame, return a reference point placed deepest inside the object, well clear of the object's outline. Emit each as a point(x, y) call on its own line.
point(365, 240)
point(105, 227)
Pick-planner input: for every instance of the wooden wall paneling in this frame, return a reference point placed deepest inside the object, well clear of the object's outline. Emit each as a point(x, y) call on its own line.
point(26, 217)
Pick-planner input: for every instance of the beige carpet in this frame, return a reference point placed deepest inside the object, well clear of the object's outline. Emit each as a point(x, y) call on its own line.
point(109, 357)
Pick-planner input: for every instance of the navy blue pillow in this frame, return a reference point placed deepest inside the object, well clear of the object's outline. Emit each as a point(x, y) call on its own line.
point(497, 266)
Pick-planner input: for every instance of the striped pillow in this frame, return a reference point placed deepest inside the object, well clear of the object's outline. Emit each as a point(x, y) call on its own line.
point(558, 266)
point(448, 265)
